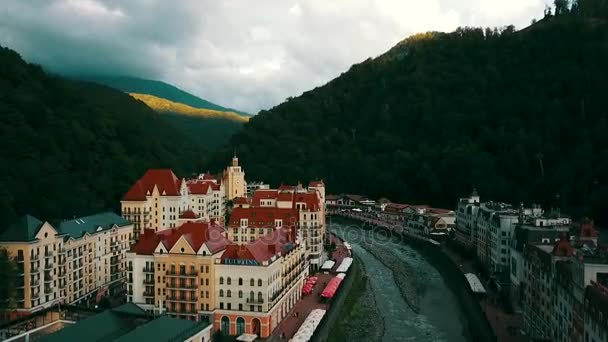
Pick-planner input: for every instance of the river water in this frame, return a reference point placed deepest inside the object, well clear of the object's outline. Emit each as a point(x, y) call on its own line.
point(438, 316)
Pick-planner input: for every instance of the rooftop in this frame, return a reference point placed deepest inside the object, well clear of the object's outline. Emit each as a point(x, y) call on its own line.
point(164, 180)
point(195, 233)
point(91, 224)
point(25, 229)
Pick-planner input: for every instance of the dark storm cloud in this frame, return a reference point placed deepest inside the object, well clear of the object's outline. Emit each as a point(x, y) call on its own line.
point(244, 54)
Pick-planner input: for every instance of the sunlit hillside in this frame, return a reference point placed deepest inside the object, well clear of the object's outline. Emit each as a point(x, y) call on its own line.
point(167, 106)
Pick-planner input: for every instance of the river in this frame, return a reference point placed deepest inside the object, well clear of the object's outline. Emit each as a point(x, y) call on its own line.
point(410, 294)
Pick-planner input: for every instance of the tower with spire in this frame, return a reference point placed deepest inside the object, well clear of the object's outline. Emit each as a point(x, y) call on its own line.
point(234, 180)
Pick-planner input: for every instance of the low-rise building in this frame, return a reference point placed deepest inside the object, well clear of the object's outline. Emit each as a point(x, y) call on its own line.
point(70, 262)
point(258, 283)
point(252, 187)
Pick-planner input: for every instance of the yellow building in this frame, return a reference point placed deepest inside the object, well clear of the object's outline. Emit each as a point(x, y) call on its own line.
point(171, 271)
point(68, 263)
point(234, 180)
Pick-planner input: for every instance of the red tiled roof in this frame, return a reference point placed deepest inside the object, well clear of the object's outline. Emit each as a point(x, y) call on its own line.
point(196, 233)
point(316, 183)
point(562, 248)
point(587, 230)
point(263, 194)
point(188, 214)
point(164, 179)
point(208, 176)
point(199, 187)
point(241, 200)
point(263, 217)
point(311, 199)
point(285, 197)
point(440, 211)
point(263, 249)
point(396, 206)
point(286, 187)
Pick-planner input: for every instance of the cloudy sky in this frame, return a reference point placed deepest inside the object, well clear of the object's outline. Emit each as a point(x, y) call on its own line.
point(245, 54)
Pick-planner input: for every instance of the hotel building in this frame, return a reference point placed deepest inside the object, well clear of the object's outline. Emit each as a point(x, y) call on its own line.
point(172, 271)
point(258, 283)
point(67, 263)
point(309, 203)
point(159, 200)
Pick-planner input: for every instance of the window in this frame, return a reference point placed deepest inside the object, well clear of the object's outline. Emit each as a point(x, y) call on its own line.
point(228, 293)
point(240, 294)
point(251, 282)
point(221, 305)
point(221, 293)
point(221, 280)
point(240, 281)
point(228, 281)
point(259, 282)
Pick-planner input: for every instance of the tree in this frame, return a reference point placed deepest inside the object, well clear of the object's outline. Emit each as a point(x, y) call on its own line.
point(561, 7)
point(8, 270)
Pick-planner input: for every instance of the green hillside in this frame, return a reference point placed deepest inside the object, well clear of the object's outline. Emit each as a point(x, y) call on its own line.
point(212, 127)
point(158, 89)
point(73, 148)
point(521, 116)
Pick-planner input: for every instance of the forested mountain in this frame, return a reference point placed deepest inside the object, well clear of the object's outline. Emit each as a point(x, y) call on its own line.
point(72, 148)
point(211, 125)
point(158, 89)
point(520, 115)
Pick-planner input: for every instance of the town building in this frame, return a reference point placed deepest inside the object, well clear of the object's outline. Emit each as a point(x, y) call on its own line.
point(533, 231)
point(466, 220)
point(155, 201)
point(596, 312)
point(72, 262)
point(172, 271)
point(207, 198)
point(309, 207)
point(129, 323)
point(233, 179)
point(252, 187)
point(540, 293)
point(430, 221)
point(258, 283)
point(251, 223)
point(160, 200)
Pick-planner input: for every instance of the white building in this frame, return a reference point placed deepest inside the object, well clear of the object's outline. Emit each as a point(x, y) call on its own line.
point(466, 219)
point(258, 283)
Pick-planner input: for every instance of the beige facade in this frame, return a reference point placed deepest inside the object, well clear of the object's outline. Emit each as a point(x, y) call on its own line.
point(172, 271)
point(234, 180)
point(67, 264)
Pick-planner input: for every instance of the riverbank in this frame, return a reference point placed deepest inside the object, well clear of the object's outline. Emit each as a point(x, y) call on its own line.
point(474, 321)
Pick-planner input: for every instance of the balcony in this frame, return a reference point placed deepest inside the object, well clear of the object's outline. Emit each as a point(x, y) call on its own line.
point(48, 254)
point(148, 281)
point(34, 283)
point(34, 269)
point(182, 285)
point(34, 257)
point(183, 275)
point(61, 251)
point(148, 294)
point(255, 300)
point(48, 266)
point(148, 269)
point(48, 290)
point(192, 299)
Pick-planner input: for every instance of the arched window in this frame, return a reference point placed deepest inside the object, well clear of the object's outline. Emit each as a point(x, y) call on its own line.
point(240, 281)
point(260, 297)
point(221, 280)
point(251, 282)
point(221, 293)
point(228, 281)
point(240, 326)
point(259, 282)
point(228, 293)
point(225, 327)
point(240, 294)
point(251, 296)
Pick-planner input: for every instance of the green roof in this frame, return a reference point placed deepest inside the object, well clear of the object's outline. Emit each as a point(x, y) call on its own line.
point(106, 326)
point(130, 308)
point(25, 229)
point(164, 329)
point(89, 224)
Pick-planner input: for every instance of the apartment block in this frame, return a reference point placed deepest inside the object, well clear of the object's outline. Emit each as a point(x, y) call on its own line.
point(172, 271)
point(71, 262)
